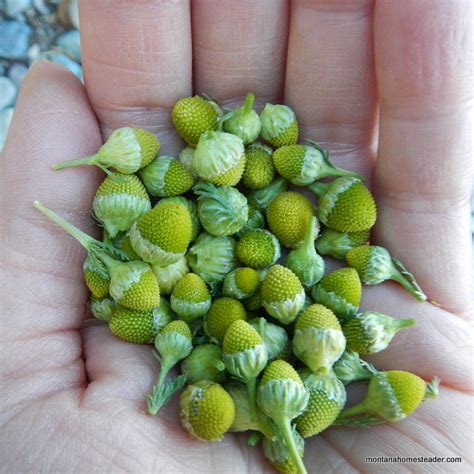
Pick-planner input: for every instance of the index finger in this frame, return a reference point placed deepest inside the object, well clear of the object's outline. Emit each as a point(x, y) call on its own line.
point(424, 56)
point(137, 60)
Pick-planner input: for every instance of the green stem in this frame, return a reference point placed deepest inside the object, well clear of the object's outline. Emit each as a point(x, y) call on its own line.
point(318, 188)
point(404, 323)
point(407, 280)
point(361, 422)
point(263, 425)
point(85, 240)
point(153, 399)
point(248, 104)
point(287, 435)
point(108, 261)
point(87, 160)
point(340, 172)
point(308, 242)
point(358, 409)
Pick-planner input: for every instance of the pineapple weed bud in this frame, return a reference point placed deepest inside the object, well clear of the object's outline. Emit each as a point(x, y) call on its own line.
point(244, 122)
point(150, 252)
point(172, 344)
point(222, 210)
point(127, 150)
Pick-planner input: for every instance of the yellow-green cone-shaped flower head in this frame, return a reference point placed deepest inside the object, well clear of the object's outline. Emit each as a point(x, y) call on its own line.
point(119, 202)
point(345, 205)
point(318, 339)
point(259, 169)
point(351, 368)
point(96, 280)
point(244, 121)
point(102, 308)
point(261, 198)
point(282, 294)
point(173, 343)
point(303, 164)
point(222, 210)
point(126, 150)
point(192, 209)
point(140, 327)
point(279, 456)
point(206, 410)
point(279, 125)
point(288, 216)
point(192, 116)
point(258, 248)
point(170, 275)
point(281, 391)
point(241, 283)
point(219, 158)
point(212, 258)
point(204, 363)
point(163, 234)
point(375, 265)
point(274, 337)
point(304, 261)
point(340, 291)
point(336, 244)
point(165, 176)
point(370, 332)
point(190, 297)
point(223, 312)
point(393, 395)
point(327, 397)
point(244, 353)
point(133, 284)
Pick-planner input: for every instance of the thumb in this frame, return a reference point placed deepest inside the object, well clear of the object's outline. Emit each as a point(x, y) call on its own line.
point(42, 304)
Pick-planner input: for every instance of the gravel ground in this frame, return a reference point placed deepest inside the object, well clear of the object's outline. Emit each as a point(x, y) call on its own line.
point(42, 29)
point(32, 30)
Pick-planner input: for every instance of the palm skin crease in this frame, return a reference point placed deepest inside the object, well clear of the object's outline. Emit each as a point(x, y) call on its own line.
point(386, 88)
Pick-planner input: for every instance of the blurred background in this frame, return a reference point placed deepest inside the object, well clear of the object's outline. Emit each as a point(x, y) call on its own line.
point(32, 30)
point(43, 29)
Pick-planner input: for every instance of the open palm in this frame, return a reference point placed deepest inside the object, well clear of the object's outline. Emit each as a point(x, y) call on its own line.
point(72, 395)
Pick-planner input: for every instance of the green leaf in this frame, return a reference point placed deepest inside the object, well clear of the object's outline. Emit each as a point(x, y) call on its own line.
point(160, 396)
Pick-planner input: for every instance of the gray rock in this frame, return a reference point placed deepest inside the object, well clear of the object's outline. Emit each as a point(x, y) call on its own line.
point(73, 11)
point(42, 7)
point(70, 43)
point(14, 7)
point(17, 72)
point(60, 58)
point(5, 119)
point(8, 91)
point(14, 39)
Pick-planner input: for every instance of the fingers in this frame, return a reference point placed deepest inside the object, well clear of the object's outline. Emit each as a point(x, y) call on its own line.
point(330, 78)
point(239, 47)
point(43, 295)
point(424, 55)
point(439, 345)
point(435, 429)
point(137, 61)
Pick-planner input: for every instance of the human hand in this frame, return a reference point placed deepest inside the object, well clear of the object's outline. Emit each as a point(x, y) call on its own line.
point(73, 396)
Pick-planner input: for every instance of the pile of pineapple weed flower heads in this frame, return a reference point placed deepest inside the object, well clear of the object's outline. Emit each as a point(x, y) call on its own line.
point(223, 273)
